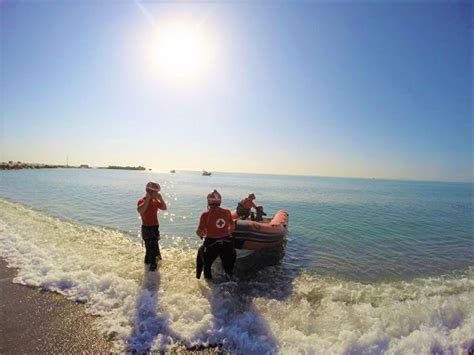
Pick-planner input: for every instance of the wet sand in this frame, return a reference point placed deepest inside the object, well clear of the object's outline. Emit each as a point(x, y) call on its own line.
point(33, 321)
point(39, 322)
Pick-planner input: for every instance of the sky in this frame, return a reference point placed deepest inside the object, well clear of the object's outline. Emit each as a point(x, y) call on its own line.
point(350, 88)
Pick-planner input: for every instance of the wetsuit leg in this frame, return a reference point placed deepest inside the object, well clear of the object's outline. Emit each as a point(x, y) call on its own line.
point(228, 256)
point(158, 252)
point(210, 255)
point(150, 237)
point(199, 262)
point(148, 243)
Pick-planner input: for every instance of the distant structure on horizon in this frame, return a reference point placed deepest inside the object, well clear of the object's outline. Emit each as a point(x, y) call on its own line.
point(115, 167)
point(18, 165)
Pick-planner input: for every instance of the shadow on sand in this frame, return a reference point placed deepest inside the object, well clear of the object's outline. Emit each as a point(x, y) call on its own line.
point(150, 328)
point(238, 326)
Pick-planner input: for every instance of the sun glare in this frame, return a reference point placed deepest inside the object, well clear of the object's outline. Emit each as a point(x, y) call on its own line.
point(181, 53)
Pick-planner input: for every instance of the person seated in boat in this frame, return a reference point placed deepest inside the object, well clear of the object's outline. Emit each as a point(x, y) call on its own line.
point(244, 207)
point(215, 227)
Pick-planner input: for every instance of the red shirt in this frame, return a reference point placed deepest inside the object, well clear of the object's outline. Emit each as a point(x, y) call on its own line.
point(150, 216)
point(247, 203)
point(215, 222)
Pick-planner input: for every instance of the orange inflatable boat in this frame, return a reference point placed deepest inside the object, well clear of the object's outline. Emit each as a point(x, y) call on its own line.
point(255, 235)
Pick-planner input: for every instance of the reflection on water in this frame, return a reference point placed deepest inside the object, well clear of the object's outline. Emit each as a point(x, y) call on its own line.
point(358, 229)
point(281, 307)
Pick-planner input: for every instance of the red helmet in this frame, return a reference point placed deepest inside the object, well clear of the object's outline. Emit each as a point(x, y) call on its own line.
point(152, 187)
point(252, 196)
point(214, 198)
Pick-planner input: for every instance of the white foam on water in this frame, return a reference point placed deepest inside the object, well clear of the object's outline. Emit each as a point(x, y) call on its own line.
point(276, 311)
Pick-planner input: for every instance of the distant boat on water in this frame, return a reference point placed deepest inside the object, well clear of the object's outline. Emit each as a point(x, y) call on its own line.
point(172, 171)
point(206, 173)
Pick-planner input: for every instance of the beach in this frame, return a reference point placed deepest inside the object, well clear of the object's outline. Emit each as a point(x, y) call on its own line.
point(43, 322)
point(320, 151)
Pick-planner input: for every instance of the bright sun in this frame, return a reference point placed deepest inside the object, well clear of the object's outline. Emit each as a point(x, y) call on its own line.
point(182, 53)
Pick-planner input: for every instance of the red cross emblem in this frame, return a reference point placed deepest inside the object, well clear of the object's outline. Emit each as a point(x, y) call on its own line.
point(220, 223)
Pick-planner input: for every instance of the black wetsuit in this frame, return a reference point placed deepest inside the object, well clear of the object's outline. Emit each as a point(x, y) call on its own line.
point(210, 250)
point(243, 212)
point(150, 236)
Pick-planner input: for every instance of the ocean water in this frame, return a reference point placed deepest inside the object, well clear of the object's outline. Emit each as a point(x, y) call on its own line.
point(371, 266)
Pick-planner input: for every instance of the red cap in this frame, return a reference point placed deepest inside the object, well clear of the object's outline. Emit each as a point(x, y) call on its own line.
point(214, 198)
point(152, 187)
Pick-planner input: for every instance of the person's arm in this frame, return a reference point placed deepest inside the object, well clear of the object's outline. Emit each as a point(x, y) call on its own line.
point(200, 233)
point(142, 207)
point(254, 205)
point(201, 229)
point(162, 201)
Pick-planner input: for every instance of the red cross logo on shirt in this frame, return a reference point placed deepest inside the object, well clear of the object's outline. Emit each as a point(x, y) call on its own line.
point(220, 223)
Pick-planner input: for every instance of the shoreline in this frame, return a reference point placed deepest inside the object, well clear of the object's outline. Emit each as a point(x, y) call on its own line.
point(36, 321)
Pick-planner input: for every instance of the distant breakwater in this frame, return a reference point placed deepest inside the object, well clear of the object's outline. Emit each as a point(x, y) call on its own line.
point(18, 165)
point(124, 167)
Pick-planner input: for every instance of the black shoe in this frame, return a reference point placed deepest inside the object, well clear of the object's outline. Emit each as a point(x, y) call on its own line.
point(152, 267)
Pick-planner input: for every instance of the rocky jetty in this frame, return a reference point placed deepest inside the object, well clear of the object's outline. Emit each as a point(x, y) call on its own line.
point(124, 167)
point(18, 165)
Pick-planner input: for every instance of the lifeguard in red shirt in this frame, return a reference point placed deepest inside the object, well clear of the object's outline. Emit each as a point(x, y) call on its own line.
point(215, 227)
point(148, 207)
point(244, 206)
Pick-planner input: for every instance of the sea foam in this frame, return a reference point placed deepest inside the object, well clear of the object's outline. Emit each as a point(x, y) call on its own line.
point(278, 310)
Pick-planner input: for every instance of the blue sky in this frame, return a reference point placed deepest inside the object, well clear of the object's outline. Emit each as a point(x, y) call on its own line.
point(366, 89)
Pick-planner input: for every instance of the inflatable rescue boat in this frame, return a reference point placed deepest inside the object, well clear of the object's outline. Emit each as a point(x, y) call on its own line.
point(262, 234)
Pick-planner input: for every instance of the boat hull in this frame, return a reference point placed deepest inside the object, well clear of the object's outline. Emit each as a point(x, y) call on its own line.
point(258, 244)
point(253, 235)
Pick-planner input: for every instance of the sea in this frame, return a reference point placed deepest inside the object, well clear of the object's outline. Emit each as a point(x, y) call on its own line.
point(371, 266)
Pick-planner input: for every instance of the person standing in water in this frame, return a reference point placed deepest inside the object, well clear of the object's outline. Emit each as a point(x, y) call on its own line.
point(215, 227)
point(148, 207)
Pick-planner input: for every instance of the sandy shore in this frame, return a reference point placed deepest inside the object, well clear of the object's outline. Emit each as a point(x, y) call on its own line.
point(41, 322)
point(35, 321)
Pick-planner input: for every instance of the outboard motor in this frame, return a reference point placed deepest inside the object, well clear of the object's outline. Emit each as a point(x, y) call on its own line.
point(258, 216)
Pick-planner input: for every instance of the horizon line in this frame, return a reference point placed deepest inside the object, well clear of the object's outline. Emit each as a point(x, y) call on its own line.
point(148, 169)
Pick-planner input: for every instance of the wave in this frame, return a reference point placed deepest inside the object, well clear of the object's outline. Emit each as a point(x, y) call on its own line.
point(278, 310)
